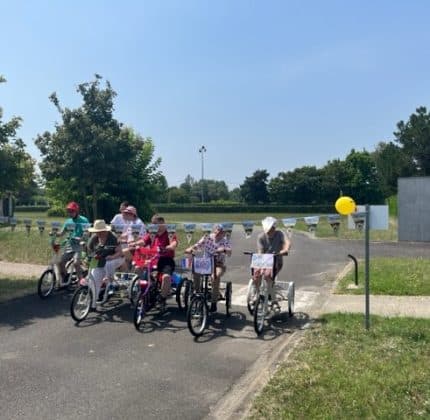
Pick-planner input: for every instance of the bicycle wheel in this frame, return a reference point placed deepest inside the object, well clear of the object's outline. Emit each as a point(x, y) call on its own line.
point(251, 297)
point(81, 303)
point(134, 291)
point(197, 316)
point(183, 294)
point(259, 315)
point(228, 293)
point(139, 311)
point(291, 294)
point(46, 283)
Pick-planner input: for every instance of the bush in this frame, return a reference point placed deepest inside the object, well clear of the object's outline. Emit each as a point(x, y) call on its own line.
point(57, 212)
point(32, 209)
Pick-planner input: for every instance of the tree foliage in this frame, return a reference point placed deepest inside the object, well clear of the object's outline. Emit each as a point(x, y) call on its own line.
point(16, 165)
point(254, 189)
point(94, 159)
point(414, 138)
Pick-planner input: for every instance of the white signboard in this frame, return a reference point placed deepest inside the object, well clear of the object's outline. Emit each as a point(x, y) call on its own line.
point(378, 217)
point(262, 261)
point(289, 223)
point(203, 265)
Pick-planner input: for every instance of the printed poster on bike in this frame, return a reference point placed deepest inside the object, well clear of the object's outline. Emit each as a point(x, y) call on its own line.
point(262, 261)
point(203, 265)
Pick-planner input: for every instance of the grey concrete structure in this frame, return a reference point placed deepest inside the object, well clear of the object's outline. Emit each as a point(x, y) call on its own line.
point(414, 209)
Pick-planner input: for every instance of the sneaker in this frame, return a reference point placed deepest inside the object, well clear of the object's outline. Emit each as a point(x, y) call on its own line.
point(213, 307)
point(101, 295)
point(111, 289)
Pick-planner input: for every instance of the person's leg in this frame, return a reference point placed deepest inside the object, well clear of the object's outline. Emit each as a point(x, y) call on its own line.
point(166, 284)
point(98, 276)
point(219, 272)
point(62, 264)
point(111, 266)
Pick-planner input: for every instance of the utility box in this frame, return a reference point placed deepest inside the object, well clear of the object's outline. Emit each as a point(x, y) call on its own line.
point(413, 202)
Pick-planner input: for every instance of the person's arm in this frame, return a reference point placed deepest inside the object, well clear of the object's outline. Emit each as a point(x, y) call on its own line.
point(196, 246)
point(260, 245)
point(225, 247)
point(286, 246)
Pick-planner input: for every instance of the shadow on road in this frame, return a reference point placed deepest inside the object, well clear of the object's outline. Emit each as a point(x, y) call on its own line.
point(26, 310)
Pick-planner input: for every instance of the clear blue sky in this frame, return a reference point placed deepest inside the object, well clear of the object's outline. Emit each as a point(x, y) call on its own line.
point(270, 84)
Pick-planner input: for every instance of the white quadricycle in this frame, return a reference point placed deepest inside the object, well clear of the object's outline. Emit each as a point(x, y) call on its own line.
point(265, 301)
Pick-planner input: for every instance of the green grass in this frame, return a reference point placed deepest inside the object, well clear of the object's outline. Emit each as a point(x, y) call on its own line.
point(340, 370)
point(11, 287)
point(391, 276)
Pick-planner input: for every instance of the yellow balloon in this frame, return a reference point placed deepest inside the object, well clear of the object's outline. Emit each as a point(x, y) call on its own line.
point(345, 205)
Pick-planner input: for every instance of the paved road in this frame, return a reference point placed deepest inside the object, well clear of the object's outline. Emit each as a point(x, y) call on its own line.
point(103, 369)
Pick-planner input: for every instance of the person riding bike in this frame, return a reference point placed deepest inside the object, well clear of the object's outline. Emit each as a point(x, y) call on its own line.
point(105, 245)
point(216, 244)
point(73, 247)
point(165, 246)
point(271, 241)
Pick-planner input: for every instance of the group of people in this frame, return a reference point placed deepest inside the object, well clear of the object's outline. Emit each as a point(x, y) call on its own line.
point(123, 244)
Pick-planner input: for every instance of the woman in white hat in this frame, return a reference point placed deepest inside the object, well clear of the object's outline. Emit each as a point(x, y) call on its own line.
point(111, 259)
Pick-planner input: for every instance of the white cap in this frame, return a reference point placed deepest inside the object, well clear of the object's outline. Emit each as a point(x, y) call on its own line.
point(267, 223)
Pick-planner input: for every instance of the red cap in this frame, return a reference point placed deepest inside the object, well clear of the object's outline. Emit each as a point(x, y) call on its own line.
point(73, 206)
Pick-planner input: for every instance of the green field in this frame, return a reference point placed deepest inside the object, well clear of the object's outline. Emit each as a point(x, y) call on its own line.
point(342, 371)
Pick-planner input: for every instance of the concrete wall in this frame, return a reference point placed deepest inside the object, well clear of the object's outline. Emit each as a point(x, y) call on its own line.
point(414, 209)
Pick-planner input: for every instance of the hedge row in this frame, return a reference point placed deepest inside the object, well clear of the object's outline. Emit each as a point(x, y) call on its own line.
point(31, 208)
point(241, 208)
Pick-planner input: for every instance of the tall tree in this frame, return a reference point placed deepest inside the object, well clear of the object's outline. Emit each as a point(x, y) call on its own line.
point(92, 158)
point(391, 163)
point(16, 165)
point(254, 189)
point(414, 138)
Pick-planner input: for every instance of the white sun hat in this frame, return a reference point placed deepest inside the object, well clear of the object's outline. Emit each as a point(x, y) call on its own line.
point(99, 226)
point(267, 223)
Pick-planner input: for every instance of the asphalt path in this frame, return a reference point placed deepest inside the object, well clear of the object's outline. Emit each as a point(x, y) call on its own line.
point(103, 368)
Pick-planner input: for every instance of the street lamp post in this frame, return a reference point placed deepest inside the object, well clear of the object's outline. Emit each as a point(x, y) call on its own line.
point(202, 151)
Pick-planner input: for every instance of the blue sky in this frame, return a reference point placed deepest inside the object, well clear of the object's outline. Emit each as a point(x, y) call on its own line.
point(270, 84)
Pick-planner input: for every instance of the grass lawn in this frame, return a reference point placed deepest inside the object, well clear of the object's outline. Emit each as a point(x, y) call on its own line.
point(11, 287)
point(340, 371)
point(391, 276)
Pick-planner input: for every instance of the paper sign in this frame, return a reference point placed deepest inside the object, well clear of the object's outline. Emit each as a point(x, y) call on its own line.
point(312, 220)
point(262, 261)
point(206, 227)
point(202, 265)
point(289, 223)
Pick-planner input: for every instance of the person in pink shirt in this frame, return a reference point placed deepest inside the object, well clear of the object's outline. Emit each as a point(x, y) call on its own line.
point(219, 245)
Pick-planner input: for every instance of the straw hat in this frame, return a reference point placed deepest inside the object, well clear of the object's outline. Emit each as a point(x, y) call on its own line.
point(99, 226)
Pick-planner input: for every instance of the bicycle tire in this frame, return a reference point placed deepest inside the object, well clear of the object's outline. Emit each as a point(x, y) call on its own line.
point(87, 294)
point(228, 293)
point(197, 311)
point(134, 291)
point(291, 297)
point(250, 297)
point(259, 316)
point(183, 294)
point(139, 311)
point(48, 277)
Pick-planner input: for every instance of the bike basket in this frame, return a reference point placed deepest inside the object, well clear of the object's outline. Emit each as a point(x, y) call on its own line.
point(203, 265)
point(262, 261)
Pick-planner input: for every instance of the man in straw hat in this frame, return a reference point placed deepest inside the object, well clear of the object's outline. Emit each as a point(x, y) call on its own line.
point(106, 244)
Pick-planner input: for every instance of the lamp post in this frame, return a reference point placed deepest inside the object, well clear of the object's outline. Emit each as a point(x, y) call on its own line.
point(202, 151)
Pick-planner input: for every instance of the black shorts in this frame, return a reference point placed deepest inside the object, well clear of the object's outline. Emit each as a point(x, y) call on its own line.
point(166, 265)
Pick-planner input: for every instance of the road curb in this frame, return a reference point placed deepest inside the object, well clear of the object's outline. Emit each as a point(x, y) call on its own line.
point(236, 403)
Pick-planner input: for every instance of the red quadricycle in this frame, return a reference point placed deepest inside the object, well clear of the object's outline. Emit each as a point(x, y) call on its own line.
point(148, 284)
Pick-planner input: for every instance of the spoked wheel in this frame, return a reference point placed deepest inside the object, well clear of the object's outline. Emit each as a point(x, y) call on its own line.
point(228, 293)
point(134, 291)
point(81, 303)
point(183, 293)
point(259, 315)
point(291, 295)
point(46, 283)
point(251, 297)
point(139, 311)
point(197, 316)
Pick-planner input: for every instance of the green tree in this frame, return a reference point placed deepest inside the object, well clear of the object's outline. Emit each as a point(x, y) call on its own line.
point(391, 163)
point(414, 138)
point(95, 160)
point(254, 189)
point(17, 168)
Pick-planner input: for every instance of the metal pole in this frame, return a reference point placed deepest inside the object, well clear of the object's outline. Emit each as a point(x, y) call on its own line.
point(202, 150)
point(366, 266)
